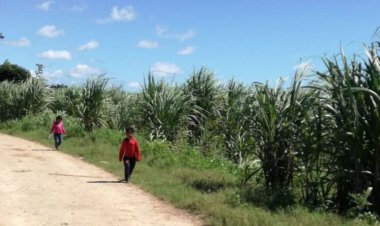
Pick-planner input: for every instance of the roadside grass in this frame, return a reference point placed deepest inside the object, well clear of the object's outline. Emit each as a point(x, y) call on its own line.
point(181, 176)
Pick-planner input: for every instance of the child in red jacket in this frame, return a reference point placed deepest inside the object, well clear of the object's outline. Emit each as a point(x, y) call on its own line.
point(129, 153)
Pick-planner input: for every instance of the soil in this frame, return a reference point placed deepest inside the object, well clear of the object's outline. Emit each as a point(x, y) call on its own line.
point(42, 186)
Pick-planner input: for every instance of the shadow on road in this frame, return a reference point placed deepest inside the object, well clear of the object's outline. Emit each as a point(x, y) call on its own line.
point(72, 175)
point(106, 181)
point(42, 149)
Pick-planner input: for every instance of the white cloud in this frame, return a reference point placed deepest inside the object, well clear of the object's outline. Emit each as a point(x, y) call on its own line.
point(56, 54)
point(78, 9)
point(163, 32)
point(184, 36)
point(22, 42)
point(187, 50)
point(49, 75)
point(44, 5)
point(134, 85)
point(164, 69)
point(89, 45)
point(32, 73)
point(126, 13)
point(50, 31)
point(160, 31)
point(123, 14)
point(304, 68)
point(83, 70)
point(54, 74)
point(146, 44)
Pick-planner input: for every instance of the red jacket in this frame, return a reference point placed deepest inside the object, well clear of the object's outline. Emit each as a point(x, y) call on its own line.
point(130, 148)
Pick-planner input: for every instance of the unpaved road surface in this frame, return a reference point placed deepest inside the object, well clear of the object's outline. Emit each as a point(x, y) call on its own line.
point(39, 186)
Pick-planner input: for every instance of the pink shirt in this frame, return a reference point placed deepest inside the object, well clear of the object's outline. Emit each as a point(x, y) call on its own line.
point(58, 128)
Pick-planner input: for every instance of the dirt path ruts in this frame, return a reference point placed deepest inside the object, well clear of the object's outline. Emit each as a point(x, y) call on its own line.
point(39, 186)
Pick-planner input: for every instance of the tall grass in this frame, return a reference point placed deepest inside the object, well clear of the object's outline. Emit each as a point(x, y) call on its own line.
point(235, 122)
point(205, 101)
point(20, 99)
point(353, 100)
point(122, 109)
point(66, 100)
point(311, 143)
point(164, 109)
point(92, 103)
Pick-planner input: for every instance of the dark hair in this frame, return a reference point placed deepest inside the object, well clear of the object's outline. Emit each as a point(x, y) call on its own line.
point(58, 118)
point(129, 129)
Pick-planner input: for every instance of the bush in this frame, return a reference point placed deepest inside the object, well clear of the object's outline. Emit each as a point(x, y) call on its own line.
point(206, 181)
point(74, 127)
point(273, 200)
point(9, 101)
point(158, 153)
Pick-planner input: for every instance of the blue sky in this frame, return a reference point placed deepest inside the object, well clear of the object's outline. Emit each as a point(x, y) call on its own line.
point(247, 40)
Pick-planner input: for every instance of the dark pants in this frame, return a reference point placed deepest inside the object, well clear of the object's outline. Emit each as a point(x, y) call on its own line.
point(128, 167)
point(57, 139)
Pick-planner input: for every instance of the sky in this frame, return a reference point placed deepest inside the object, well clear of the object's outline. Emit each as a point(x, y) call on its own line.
point(245, 40)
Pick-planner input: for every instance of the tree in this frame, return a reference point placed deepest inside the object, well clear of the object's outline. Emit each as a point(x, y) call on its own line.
point(13, 72)
point(40, 70)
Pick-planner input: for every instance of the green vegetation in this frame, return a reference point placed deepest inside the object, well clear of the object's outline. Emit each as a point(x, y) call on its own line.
point(234, 153)
point(20, 99)
point(182, 176)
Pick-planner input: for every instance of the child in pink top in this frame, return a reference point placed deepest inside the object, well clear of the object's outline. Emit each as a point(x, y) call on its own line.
point(57, 129)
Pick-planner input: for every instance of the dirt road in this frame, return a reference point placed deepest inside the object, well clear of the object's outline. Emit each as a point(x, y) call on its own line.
point(39, 186)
